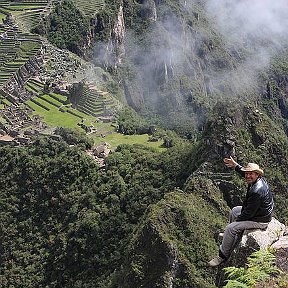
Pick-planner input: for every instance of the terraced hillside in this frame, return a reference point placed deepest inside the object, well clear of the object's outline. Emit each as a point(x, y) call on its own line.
point(16, 48)
point(20, 92)
point(90, 8)
point(95, 102)
point(27, 13)
point(55, 108)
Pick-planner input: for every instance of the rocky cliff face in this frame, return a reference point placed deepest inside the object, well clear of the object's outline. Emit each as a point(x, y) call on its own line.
point(171, 60)
point(117, 38)
point(107, 38)
point(275, 98)
point(149, 11)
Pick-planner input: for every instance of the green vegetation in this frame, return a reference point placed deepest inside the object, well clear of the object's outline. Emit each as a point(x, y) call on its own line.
point(53, 117)
point(66, 27)
point(74, 137)
point(257, 139)
point(27, 13)
point(91, 100)
point(90, 8)
point(115, 139)
point(15, 52)
point(178, 228)
point(106, 19)
point(122, 217)
point(55, 109)
point(2, 17)
point(62, 217)
point(130, 122)
point(260, 267)
point(150, 216)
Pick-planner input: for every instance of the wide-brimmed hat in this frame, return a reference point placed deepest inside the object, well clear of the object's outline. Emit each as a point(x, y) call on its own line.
point(253, 167)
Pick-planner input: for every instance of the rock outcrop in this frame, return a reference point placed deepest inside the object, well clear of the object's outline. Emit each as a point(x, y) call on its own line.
point(149, 11)
point(118, 33)
point(253, 240)
point(112, 52)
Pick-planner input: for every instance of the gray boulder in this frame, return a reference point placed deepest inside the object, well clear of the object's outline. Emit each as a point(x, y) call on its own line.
point(256, 239)
point(251, 241)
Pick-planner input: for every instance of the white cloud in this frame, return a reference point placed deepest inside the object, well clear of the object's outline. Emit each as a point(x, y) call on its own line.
point(263, 19)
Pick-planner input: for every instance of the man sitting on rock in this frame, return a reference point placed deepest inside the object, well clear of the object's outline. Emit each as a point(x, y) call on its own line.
point(255, 212)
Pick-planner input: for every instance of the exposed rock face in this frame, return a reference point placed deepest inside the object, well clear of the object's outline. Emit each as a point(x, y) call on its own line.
point(281, 243)
point(148, 11)
point(118, 33)
point(115, 50)
point(257, 239)
point(280, 95)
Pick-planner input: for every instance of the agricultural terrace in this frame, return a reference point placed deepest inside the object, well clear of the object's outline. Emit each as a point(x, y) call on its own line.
point(55, 108)
point(88, 7)
point(95, 102)
point(28, 13)
point(16, 48)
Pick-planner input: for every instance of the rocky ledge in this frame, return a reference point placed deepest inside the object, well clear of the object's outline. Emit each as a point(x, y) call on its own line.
point(275, 236)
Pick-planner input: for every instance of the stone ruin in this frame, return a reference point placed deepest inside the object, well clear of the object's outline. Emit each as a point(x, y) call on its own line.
point(19, 126)
point(58, 64)
point(99, 153)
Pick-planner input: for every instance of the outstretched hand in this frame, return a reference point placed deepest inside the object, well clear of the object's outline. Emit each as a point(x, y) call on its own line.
point(230, 162)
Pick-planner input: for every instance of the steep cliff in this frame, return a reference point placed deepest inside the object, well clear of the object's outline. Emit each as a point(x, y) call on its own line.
point(179, 60)
point(170, 246)
point(165, 250)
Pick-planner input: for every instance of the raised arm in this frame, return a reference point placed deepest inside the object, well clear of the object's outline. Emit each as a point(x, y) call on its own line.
point(231, 163)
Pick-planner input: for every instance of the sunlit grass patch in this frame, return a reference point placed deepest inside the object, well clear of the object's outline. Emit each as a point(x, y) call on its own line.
point(115, 139)
point(2, 17)
point(54, 117)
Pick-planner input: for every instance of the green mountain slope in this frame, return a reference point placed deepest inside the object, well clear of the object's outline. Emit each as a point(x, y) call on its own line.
point(172, 244)
point(147, 219)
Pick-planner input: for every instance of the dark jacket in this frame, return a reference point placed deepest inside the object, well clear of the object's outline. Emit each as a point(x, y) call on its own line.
point(258, 203)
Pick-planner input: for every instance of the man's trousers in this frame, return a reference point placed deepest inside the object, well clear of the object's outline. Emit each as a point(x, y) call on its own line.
point(234, 230)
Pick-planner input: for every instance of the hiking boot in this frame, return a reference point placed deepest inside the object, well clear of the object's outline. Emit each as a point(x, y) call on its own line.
point(216, 261)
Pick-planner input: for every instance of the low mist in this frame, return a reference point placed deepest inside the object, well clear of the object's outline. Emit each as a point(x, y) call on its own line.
point(207, 50)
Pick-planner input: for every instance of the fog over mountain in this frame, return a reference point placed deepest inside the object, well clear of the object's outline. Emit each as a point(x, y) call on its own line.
point(195, 53)
point(258, 26)
point(264, 19)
